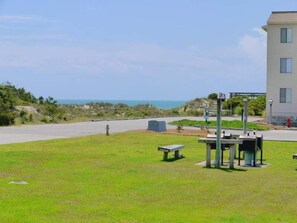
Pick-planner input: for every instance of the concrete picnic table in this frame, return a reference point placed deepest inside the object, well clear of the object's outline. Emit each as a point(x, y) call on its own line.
point(231, 142)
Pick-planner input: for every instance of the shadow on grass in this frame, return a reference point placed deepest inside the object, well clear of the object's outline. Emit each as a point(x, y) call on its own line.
point(226, 169)
point(172, 159)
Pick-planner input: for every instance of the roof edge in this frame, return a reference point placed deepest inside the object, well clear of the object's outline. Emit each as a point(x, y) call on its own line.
point(283, 12)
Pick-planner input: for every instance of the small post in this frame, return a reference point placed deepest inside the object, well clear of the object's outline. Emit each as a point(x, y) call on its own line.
point(107, 130)
point(270, 110)
point(242, 114)
point(206, 111)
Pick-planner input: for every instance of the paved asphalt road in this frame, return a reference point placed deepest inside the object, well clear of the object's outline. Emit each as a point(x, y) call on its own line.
point(16, 134)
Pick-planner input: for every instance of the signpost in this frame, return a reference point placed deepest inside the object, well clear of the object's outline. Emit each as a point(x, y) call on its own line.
point(206, 112)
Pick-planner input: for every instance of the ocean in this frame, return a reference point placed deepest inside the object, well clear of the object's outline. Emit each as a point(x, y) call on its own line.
point(156, 103)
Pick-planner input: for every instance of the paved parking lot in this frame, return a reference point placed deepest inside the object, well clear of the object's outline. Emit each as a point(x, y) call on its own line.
point(15, 134)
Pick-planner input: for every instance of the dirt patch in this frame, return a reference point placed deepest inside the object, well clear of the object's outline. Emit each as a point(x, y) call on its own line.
point(29, 109)
point(183, 132)
point(276, 127)
point(188, 132)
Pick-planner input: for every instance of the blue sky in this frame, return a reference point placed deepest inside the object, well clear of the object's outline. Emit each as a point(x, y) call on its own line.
point(135, 49)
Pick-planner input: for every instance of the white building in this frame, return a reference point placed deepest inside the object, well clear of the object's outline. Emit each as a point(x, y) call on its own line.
point(281, 85)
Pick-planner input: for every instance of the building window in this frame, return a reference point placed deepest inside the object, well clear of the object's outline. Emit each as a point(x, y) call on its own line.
point(286, 65)
point(285, 95)
point(286, 35)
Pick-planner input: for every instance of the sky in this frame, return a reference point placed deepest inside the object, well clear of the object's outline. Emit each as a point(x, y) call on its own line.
point(135, 49)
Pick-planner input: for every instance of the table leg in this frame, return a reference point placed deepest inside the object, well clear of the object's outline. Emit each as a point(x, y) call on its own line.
point(255, 161)
point(208, 155)
point(165, 156)
point(231, 156)
point(176, 154)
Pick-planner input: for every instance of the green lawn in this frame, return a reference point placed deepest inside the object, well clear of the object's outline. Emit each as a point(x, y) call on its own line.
point(122, 178)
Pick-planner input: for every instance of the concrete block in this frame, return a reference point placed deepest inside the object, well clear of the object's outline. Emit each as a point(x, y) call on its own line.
point(157, 126)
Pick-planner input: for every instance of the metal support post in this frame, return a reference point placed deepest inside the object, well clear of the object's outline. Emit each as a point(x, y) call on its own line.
point(221, 97)
point(218, 143)
point(245, 100)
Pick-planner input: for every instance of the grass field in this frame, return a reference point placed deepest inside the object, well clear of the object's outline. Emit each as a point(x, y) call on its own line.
point(122, 178)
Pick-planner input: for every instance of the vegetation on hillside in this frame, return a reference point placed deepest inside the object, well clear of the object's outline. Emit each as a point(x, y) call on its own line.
point(18, 106)
point(99, 111)
point(234, 106)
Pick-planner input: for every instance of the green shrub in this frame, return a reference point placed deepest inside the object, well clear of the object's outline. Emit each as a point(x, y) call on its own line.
point(175, 112)
point(31, 117)
point(23, 115)
point(45, 119)
point(179, 128)
point(237, 110)
point(195, 112)
point(7, 119)
point(100, 114)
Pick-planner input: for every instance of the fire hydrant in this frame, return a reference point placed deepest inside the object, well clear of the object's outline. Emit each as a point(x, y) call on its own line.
point(288, 122)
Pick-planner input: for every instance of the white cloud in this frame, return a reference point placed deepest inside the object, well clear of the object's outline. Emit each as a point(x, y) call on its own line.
point(142, 59)
point(26, 28)
point(254, 47)
point(225, 67)
point(18, 18)
point(121, 60)
point(31, 49)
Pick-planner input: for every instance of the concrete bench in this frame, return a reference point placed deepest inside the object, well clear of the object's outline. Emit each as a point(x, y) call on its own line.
point(171, 148)
point(295, 156)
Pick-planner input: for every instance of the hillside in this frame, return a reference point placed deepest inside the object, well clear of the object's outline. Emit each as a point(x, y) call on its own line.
point(197, 106)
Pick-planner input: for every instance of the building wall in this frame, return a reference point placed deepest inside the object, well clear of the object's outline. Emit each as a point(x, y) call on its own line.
point(276, 79)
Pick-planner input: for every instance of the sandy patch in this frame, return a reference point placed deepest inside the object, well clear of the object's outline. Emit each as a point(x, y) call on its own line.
point(184, 132)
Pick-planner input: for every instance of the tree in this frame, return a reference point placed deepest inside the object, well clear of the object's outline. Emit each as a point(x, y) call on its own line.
point(7, 99)
point(50, 100)
point(41, 100)
point(7, 103)
point(256, 106)
point(213, 96)
point(20, 93)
